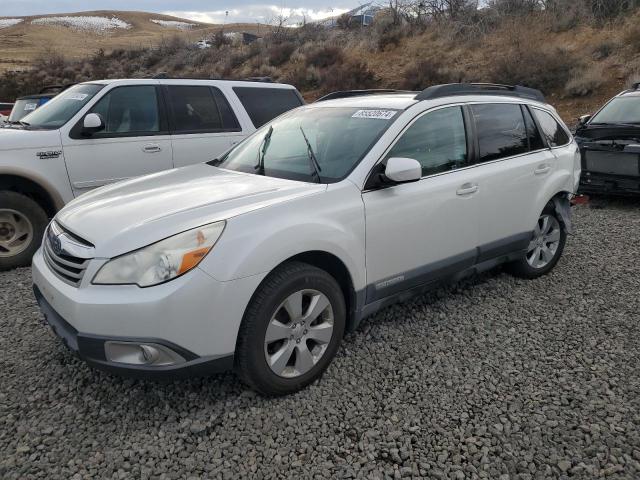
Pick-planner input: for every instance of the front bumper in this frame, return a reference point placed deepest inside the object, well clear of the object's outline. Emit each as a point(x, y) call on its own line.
point(91, 349)
point(194, 316)
point(602, 183)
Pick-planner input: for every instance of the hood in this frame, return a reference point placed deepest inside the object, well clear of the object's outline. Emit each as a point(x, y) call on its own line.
point(15, 138)
point(128, 215)
point(590, 133)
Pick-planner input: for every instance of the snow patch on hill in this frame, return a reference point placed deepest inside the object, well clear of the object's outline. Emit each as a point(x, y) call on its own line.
point(92, 24)
point(9, 22)
point(174, 24)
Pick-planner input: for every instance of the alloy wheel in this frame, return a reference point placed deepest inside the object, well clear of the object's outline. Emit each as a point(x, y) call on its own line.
point(16, 232)
point(299, 333)
point(546, 240)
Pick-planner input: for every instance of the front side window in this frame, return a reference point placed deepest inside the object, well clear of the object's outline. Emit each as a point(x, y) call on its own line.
point(58, 111)
point(263, 104)
point(338, 139)
point(624, 109)
point(554, 133)
point(501, 131)
point(129, 111)
point(437, 140)
point(196, 109)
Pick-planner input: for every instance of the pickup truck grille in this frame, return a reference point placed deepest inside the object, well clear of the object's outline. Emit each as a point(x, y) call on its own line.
point(64, 264)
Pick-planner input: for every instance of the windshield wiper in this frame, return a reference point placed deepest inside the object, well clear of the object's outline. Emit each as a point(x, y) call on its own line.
point(312, 157)
point(262, 152)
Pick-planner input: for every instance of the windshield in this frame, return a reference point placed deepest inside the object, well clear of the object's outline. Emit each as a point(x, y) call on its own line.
point(310, 144)
point(619, 110)
point(63, 107)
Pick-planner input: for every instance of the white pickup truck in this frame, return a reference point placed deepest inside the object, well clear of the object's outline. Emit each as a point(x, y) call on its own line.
point(101, 132)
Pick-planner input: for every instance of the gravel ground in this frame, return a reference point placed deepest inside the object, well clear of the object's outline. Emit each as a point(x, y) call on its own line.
point(497, 378)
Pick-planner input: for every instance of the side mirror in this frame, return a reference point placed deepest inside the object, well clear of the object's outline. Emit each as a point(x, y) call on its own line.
point(92, 123)
point(402, 170)
point(584, 119)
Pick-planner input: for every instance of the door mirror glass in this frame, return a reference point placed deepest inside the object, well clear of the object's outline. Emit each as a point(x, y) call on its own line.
point(584, 119)
point(401, 170)
point(92, 123)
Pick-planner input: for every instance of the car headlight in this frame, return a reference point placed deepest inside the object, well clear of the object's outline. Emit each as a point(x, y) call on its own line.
point(161, 261)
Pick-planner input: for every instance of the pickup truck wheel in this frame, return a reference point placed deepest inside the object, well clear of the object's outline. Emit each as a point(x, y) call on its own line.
point(22, 225)
point(291, 330)
point(544, 249)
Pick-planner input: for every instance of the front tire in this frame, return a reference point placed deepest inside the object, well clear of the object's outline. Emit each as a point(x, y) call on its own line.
point(291, 330)
point(544, 249)
point(22, 225)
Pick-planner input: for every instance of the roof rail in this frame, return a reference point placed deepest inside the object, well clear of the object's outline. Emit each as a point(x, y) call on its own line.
point(55, 88)
point(451, 89)
point(357, 93)
point(259, 79)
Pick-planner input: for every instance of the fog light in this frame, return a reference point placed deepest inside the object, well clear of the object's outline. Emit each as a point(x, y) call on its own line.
point(148, 354)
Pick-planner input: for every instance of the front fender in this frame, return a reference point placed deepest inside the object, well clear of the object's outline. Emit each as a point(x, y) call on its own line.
point(257, 242)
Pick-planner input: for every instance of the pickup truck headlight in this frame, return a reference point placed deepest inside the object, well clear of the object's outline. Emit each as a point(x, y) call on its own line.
point(161, 261)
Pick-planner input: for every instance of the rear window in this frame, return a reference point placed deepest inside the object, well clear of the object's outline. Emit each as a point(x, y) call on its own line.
point(200, 109)
point(555, 134)
point(263, 104)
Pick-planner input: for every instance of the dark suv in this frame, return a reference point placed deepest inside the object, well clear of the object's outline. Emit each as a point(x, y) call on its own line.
point(610, 146)
point(27, 104)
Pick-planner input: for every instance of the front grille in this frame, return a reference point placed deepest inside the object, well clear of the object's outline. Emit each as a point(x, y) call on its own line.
point(64, 264)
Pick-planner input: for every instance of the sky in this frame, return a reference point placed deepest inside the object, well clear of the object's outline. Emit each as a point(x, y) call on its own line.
point(213, 11)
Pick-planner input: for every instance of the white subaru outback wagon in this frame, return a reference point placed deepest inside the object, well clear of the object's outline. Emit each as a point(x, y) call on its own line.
point(262, 259)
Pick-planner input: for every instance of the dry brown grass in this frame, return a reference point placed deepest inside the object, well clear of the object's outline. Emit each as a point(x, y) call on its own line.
point(23, 43)
point(578, 67)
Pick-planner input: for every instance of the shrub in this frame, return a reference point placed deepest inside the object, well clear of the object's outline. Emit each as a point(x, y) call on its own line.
point(324, 56)
point(538, 67)
point(631, 33)
point(584, 82)
point(429, 71)
point(303, 77)
point(603, 50)
point(279, 53)
point(348, 75)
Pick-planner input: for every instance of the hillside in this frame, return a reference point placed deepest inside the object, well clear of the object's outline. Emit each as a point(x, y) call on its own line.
point(577, 59)
point(77, 35)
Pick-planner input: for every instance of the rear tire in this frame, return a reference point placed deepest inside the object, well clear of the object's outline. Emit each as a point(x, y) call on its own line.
point(291, 330)
point(545, 248)
point(22, 225)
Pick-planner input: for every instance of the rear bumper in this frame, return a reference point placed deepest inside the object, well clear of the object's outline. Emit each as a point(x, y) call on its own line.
point(91, 349)
point(603, 183)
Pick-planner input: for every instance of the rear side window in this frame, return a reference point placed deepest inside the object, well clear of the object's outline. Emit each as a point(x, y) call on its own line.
point(552, 130)
point(263, 104)
point(437, 140)
point(535, 140)
point(198, 109)
point(501, 131)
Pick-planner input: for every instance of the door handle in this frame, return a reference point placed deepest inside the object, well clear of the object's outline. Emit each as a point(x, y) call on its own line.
point(542, 169)
point(151, 148)
point(467, 189)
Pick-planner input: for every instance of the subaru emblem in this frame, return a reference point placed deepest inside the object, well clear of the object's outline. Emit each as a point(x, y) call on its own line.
point(56, 245)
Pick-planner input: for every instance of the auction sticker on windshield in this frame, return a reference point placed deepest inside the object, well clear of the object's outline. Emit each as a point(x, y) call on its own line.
point(77, 96)
point(377, 114)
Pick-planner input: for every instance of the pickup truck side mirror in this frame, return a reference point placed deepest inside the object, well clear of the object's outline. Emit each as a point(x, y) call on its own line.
point(584, 119)
point(92, 123)
point(402, 170)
